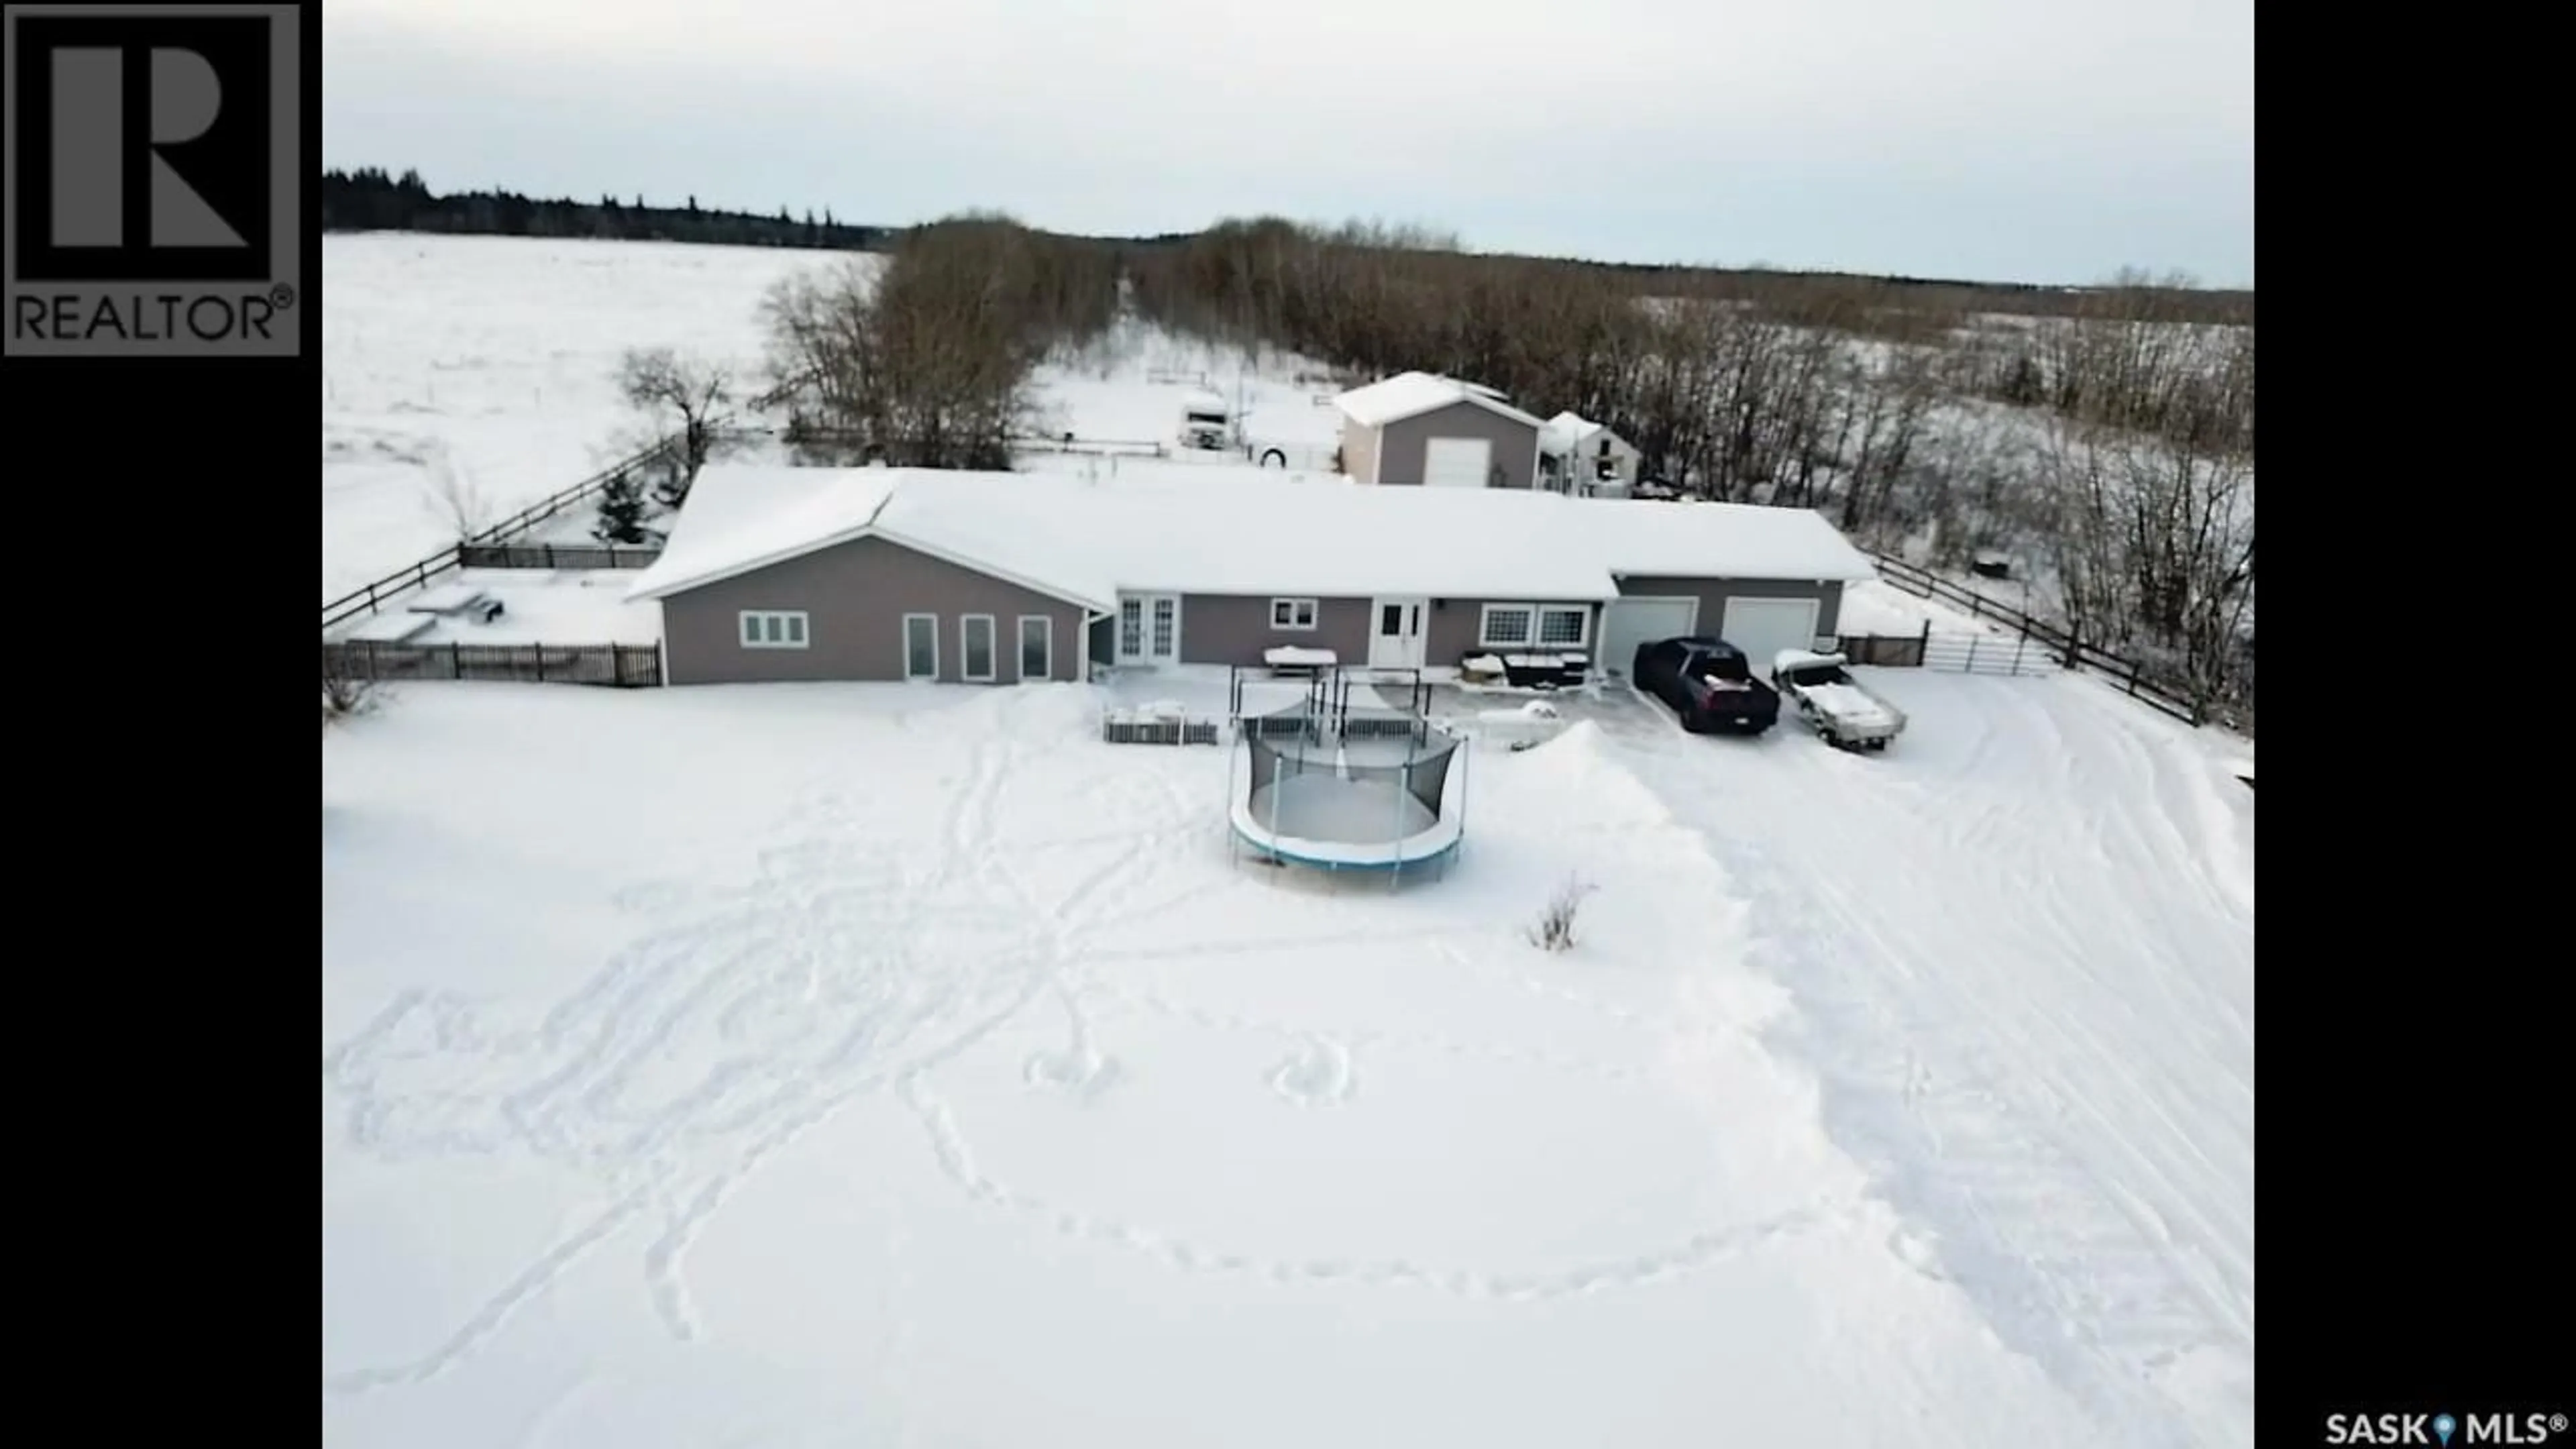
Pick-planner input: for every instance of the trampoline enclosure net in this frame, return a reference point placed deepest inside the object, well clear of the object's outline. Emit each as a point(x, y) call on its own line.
point(1414, 759)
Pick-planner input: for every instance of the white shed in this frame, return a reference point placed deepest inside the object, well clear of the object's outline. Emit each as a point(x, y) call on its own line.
point(1585, 458)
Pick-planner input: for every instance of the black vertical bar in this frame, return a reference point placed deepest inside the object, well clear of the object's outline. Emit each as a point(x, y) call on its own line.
point(134, 172)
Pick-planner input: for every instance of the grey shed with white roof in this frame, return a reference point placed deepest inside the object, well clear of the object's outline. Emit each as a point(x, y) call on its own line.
point(1417, 428)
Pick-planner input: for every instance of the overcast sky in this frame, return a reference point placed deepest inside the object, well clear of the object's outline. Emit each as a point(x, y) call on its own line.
point(2013, 140)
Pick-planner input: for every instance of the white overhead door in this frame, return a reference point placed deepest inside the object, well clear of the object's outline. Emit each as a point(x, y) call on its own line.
point(1457, 462)
point(1631, 622)
point(1764, 627)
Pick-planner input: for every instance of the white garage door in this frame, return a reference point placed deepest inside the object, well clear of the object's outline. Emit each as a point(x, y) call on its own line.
point(1456, 462)
point(1631, 622)
point(1764, 627)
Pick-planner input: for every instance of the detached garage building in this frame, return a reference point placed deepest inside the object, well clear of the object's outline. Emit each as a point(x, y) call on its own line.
point(1419, 429)
point(1000, 578)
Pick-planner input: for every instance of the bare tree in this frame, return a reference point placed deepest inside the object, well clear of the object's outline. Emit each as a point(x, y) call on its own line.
point(927, 362)
point(455, 498)
point(686, 395)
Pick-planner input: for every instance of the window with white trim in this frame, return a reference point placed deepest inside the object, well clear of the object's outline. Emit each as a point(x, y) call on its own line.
point(773, 629)
point(975, 640)
point(921, 646)
point(1545, 626)
point(1505, 626)
point(1564, 628)
point(1037, 647)
point(1292, 613)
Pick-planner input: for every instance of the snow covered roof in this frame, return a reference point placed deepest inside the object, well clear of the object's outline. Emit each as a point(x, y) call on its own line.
point(1085, 540)
point(740, 519)
point(1567, 431)
point(1411, 394)
point(1720, 541)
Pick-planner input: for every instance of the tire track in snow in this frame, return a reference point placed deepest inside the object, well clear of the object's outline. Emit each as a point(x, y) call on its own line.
point(1703, 1250)
point(1370, 1039)
point(2055, 1254)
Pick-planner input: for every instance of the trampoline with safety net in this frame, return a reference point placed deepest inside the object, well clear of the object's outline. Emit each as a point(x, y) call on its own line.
point(1345, 789)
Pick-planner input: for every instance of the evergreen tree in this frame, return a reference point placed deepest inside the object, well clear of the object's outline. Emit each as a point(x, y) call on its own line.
point(671, 479)
point(621, 510)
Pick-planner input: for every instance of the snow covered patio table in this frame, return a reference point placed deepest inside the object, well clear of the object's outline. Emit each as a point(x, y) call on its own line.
point(1297, 659)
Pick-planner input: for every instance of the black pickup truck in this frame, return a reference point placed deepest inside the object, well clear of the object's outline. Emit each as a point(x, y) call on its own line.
point(1709, 683)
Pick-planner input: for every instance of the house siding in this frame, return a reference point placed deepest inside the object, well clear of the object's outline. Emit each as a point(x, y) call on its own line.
point(1104, 642)
point(1713, 594)
point(1456, 624)
point(1235, 628)
point(855, 596)
point(1359, 450)
point(1515, 444)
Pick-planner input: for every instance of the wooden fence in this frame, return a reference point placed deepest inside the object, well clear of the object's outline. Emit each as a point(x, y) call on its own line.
point(2057, 642)
point(621, 666)
point(1888, 651)
point(557, 555)
point(369, 599)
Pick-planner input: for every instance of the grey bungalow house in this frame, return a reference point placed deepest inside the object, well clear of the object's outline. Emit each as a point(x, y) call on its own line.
point(893, 574)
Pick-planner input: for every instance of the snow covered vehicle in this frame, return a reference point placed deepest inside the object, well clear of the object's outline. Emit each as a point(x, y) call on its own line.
point(1832, 703)
point(1206, 422)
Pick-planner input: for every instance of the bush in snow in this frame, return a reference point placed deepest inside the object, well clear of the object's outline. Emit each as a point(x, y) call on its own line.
point(344, 695)
point(621, 509)
point(1554, 929)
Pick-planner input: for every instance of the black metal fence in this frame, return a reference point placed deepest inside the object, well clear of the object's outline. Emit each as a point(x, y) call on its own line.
point(1118, 730)
point(620, 666)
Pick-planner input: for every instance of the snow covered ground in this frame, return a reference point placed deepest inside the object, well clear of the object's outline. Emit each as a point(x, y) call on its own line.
point(538, 606)
point(1131, 384)
point(874, 1065)
point(1876, 606)
point(490, 359)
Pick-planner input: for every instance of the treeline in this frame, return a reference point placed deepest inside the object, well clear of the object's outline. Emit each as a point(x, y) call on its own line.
point(925, 361)
point(368, 199)
point(2114, 440)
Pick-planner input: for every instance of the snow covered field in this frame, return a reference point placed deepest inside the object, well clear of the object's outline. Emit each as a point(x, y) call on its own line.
point(491, 358)
point(873, 1065)
point(1131, 385)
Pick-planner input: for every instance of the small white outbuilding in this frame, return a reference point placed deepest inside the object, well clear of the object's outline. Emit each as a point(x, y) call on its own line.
point(1585, 458)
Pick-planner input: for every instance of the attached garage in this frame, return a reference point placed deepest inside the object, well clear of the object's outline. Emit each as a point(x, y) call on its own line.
point(1629, 622)
point(1457, 462)
point(1763, 627)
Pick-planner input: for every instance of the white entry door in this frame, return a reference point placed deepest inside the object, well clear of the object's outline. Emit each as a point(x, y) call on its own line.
point(1764, 627)
point(1149, 629)
point(1457, 462)
point(1398, 638)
